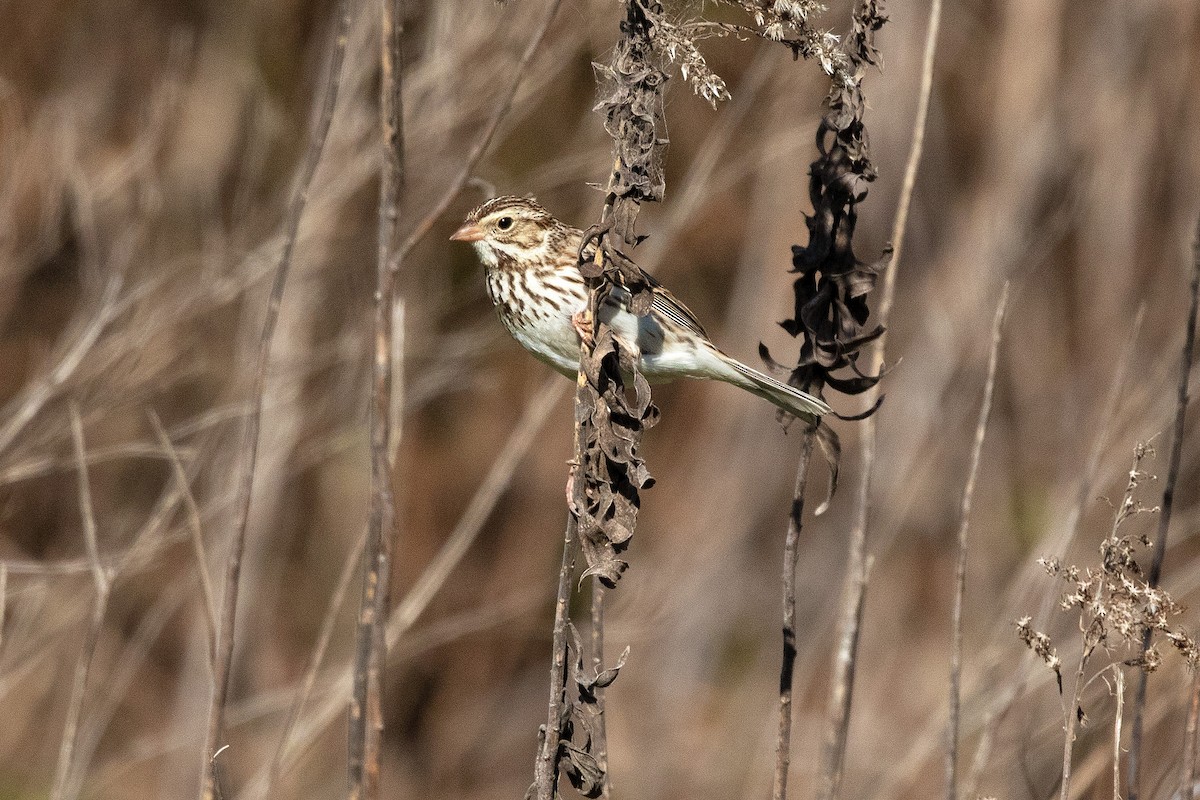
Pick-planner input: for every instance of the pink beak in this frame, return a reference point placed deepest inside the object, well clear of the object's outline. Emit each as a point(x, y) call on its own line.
point(470, 232)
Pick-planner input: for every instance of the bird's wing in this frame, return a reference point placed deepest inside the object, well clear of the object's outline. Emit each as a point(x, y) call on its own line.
point(672, 308)
point(662, 301)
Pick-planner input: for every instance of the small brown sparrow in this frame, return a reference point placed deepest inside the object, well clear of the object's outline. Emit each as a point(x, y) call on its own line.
point(532, 278)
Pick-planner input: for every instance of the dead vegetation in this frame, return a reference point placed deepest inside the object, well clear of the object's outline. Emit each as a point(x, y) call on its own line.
point(148, 157)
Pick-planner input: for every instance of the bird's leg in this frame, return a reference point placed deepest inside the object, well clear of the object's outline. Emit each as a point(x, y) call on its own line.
point(581, 321)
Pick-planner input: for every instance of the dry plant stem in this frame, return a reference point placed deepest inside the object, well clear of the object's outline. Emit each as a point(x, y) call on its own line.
point(783, 740)
point(489, 131)
point(223, 663)
point(366, 705)
point(960, 569)
point(545, 771)
point(196, 530)
point(1168, 503)
point(100, 578)
point(1119, 691)
point(601, 733)
point(3, 601)
point(1188, 778)
point(841, 699)
point(314, 661)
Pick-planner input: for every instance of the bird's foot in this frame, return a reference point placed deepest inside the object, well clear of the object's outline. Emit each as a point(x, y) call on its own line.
point(581, 321)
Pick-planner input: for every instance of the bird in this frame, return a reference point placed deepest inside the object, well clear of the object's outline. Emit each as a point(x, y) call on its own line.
point(530, 262)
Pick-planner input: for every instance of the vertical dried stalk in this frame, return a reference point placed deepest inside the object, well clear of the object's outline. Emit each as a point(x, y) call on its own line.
point(607, 472)
point(366, 705)
point(600, 740)
point(960, 570)
point(314, 661)
point(1168, 503)
point(223, 662)
point(1119, 691)
point(545, 770)
point(856, 579)
point(3, 600)
point(102, 582)
point(1189, 741)
point(783, 748)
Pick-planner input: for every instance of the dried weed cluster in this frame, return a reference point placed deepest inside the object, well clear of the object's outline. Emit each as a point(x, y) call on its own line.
point(149, 153)
point(1116, 605)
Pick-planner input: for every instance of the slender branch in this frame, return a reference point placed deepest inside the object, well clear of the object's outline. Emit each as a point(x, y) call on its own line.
point(545, 770)
point(900, 223)
point(489, 131)
point(960, 570)
point(325, 635)
point(856, 577)
point(366, 705)
point(3, 601)
point(249, 456)
point(791, 552)
point(841, 699)
point(196, 529)
point(1168, 503)
point(101, 579)
point(1118, 715)
point(600, 734)
point(1189, 741)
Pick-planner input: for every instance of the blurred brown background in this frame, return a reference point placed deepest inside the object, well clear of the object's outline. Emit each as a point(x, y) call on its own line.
point(147, 152)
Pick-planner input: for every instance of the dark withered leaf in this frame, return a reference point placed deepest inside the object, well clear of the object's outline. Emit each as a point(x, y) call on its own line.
point(851, 386)
point(831, 286)
point(583, 771)
point(862, 414)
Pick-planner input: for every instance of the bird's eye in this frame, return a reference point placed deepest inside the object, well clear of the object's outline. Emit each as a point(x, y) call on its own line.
point(504, 223)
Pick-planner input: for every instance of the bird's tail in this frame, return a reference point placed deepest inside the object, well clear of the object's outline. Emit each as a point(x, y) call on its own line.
point(789, 398)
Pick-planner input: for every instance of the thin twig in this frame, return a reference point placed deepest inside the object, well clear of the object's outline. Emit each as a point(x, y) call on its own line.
point(196, 529)
point(3, 601)
point(1189, 741)
point(546, 768)
point(328, 623)
point(1119, 691)
point(223, 663)
point(600, 734)
point(1168, 503)
point(791, 553)
point(841, 698)
point(100, 577)
point(366, 705)
point(489, 131)
point(960, 570)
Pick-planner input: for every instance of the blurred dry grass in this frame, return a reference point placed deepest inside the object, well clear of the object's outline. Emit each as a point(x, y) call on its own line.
point(146, 155)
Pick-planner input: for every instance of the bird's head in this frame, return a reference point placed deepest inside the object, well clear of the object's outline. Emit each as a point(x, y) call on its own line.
point(508, 229)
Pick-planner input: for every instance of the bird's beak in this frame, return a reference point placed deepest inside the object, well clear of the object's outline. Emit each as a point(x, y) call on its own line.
point(470, 232)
